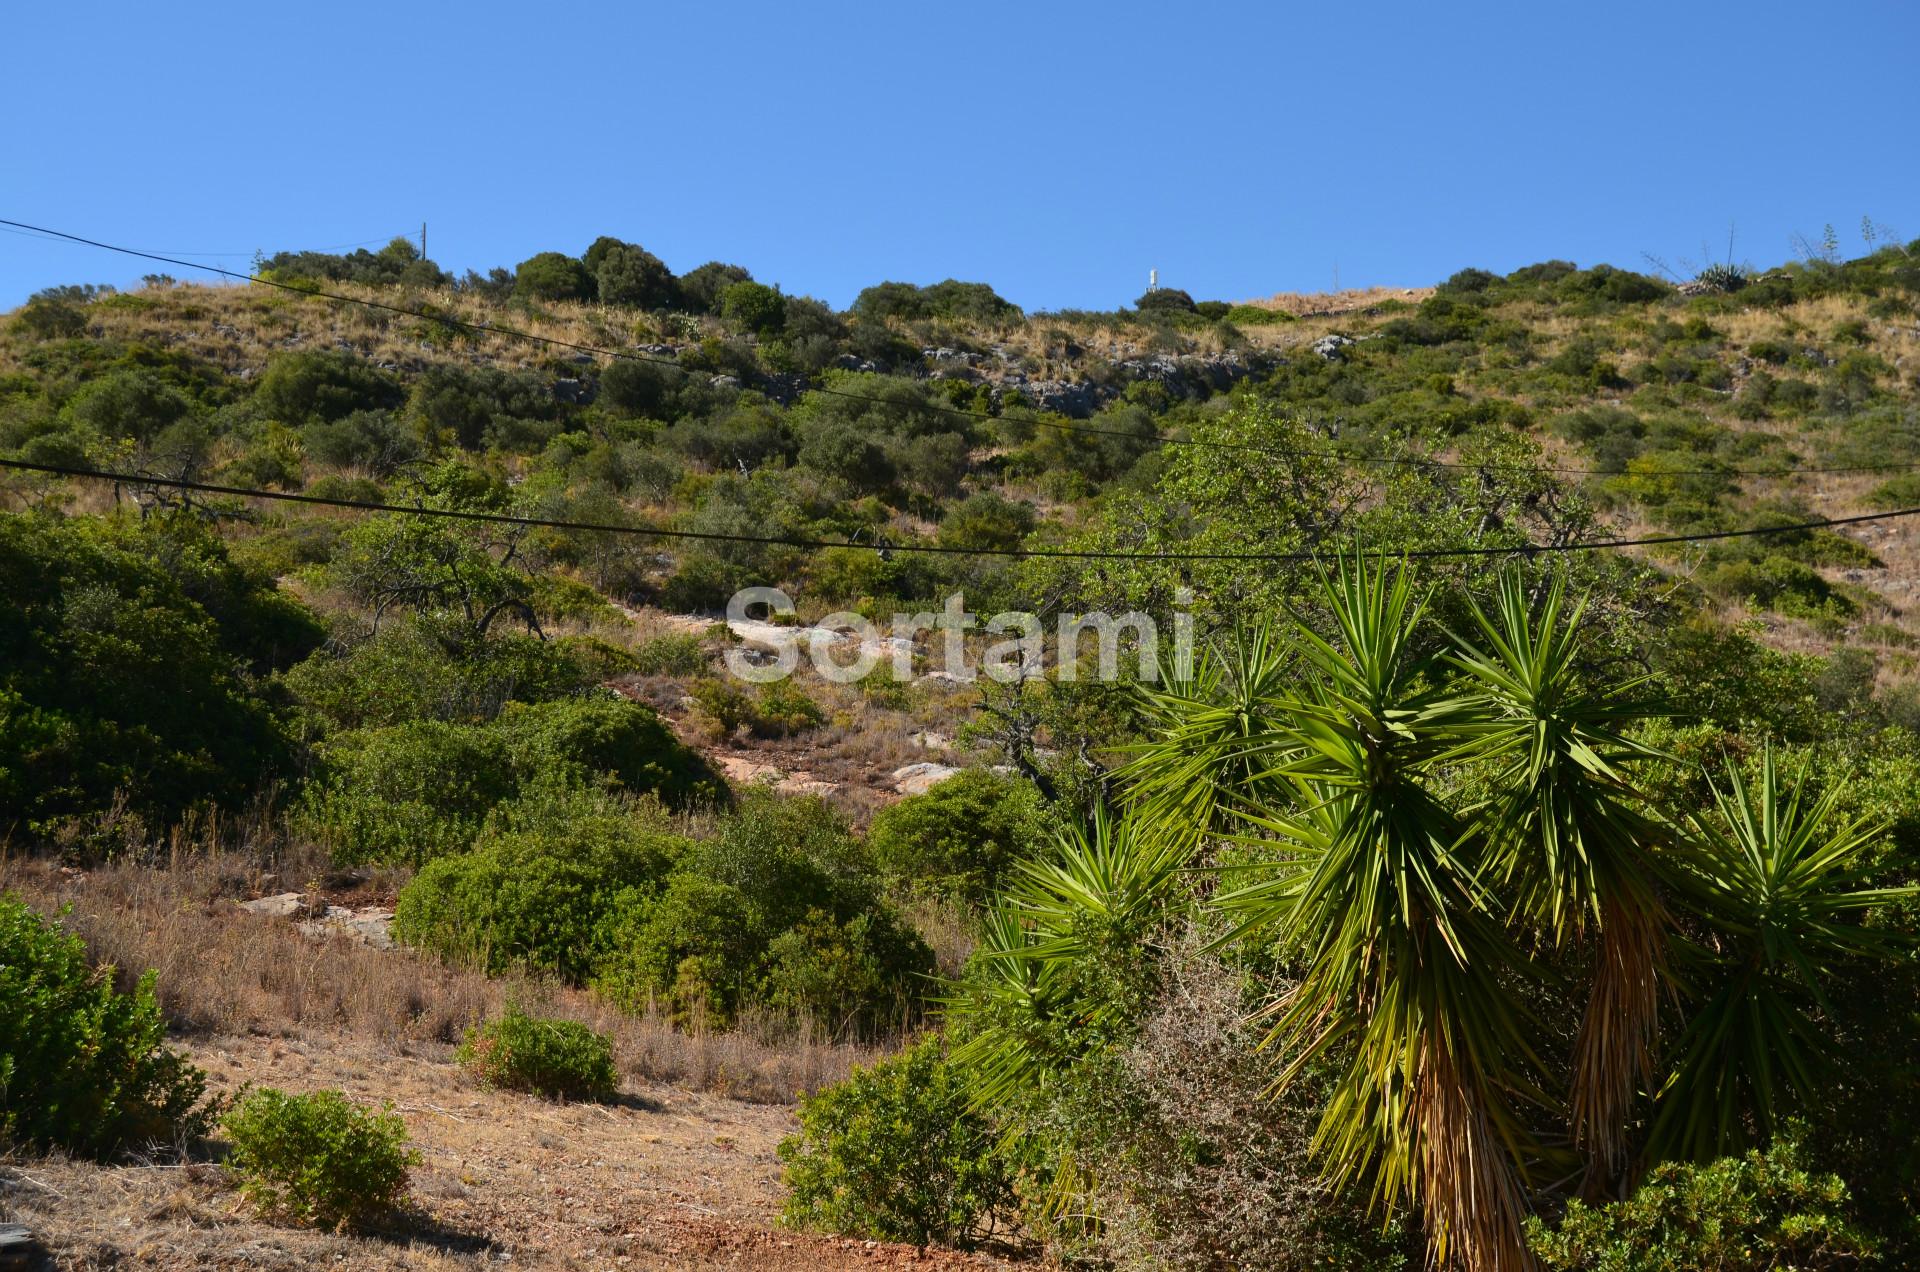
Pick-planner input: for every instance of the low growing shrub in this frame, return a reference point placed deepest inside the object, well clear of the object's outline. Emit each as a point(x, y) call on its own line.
point(1764, 1210)
point(319, 1158)
point(82, 1065)
point(894, 1153)
point(958, 839)
point(561, 1059)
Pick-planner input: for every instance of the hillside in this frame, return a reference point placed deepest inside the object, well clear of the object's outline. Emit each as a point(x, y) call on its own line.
point(357, 782)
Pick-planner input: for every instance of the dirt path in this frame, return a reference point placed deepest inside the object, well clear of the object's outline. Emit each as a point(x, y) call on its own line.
point(665, 1178)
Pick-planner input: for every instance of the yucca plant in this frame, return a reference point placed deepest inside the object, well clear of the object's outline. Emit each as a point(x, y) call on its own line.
point(1779, 879)
point(1572, 849)
point(1063, 968)
point(1210, 736)
point(1060, 967)
point(1402, 959)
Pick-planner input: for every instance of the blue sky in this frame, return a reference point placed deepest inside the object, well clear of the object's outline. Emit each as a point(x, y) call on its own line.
point(1057, 151)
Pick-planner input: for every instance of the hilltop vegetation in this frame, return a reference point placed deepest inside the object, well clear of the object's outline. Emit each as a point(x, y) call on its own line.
point(1471, 809)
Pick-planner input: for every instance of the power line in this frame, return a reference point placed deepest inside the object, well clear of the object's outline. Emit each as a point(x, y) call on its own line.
point(1061, 426)
point(548, 523)
point(55, 235)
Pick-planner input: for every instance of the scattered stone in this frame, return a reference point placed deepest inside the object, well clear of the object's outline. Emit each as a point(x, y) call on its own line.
point(1329, 346)
point(371, 925)
point(281, 906)
point(930, 741)
point(918, 779)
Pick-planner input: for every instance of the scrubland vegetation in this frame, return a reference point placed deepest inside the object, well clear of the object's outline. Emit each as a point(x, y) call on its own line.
point(1505, 910)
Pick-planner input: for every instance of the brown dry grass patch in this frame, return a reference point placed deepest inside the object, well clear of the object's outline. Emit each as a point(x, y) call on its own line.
point(224, 971)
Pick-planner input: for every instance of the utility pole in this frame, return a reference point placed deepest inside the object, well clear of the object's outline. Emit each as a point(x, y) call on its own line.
point(423, 240)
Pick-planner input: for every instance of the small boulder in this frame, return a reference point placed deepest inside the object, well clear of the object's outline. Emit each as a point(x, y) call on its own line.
point(282, 905)
point(918, 779)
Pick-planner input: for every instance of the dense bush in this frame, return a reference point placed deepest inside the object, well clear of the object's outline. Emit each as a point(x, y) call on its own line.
point(407, 792)
point(777, 710)
point(701, 287)
point(561, 1059)
point(544, 887)
point(373, 440)
point(399, 262)
point(608, 737)
point(628, 274)
point(896, 1153)
point(754, 307)
point(83, 1066)
point(1165, 300)
point(959, 838)
point(95, 617)
point(319, 1158)
point(776, 910)
point(421, 670)
point(950, 299)
point(671, 654)
point(553, 276)
point(481, 406)
point(1767, 1209)
point(298, 388)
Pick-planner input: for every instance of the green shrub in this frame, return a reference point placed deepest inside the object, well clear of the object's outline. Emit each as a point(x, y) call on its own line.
point(1258, 316)
point(754, 307)
point(319, 1158)
point(607, 736)
point(82, 1065)
point(895, 1153)
point(552, 276)
point(1165, 300)
point(784, 709)
point(956, 840)
point(406, 792)
point(373, 440)
point(701, 286)
point(776, 910)
point(299, 388)
point(781, 709)
point(50, 320)
point(628, 274)
point(422, 669)
point(1764, 1210)
point(562, 1059)
point(671, 654)
point(93, 617)
point(950, 299)
point(1778, 582)
point(545, 886)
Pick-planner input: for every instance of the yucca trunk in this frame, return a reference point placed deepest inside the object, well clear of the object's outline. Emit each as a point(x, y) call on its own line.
point(1470, 1195)
point(1613, 1054)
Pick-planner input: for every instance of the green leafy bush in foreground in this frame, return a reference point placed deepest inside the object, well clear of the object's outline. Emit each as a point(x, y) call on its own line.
point(82, 1065)
point(894, 1153)
point(559, 1058)
point(319, 1158)
point(1763, 1210)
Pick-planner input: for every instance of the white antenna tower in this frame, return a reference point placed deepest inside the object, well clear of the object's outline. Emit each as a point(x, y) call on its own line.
point(1153, 280)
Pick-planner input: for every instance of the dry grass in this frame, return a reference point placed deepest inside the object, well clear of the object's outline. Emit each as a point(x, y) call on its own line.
point(659, 1178)
point(225, 971)
point(1345, 301)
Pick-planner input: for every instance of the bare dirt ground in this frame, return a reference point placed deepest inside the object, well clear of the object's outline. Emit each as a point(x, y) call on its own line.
point(679, 1173)
point(665, 1178)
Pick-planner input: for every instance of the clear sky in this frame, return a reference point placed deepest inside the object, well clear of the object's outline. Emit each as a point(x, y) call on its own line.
point(1055, 150)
